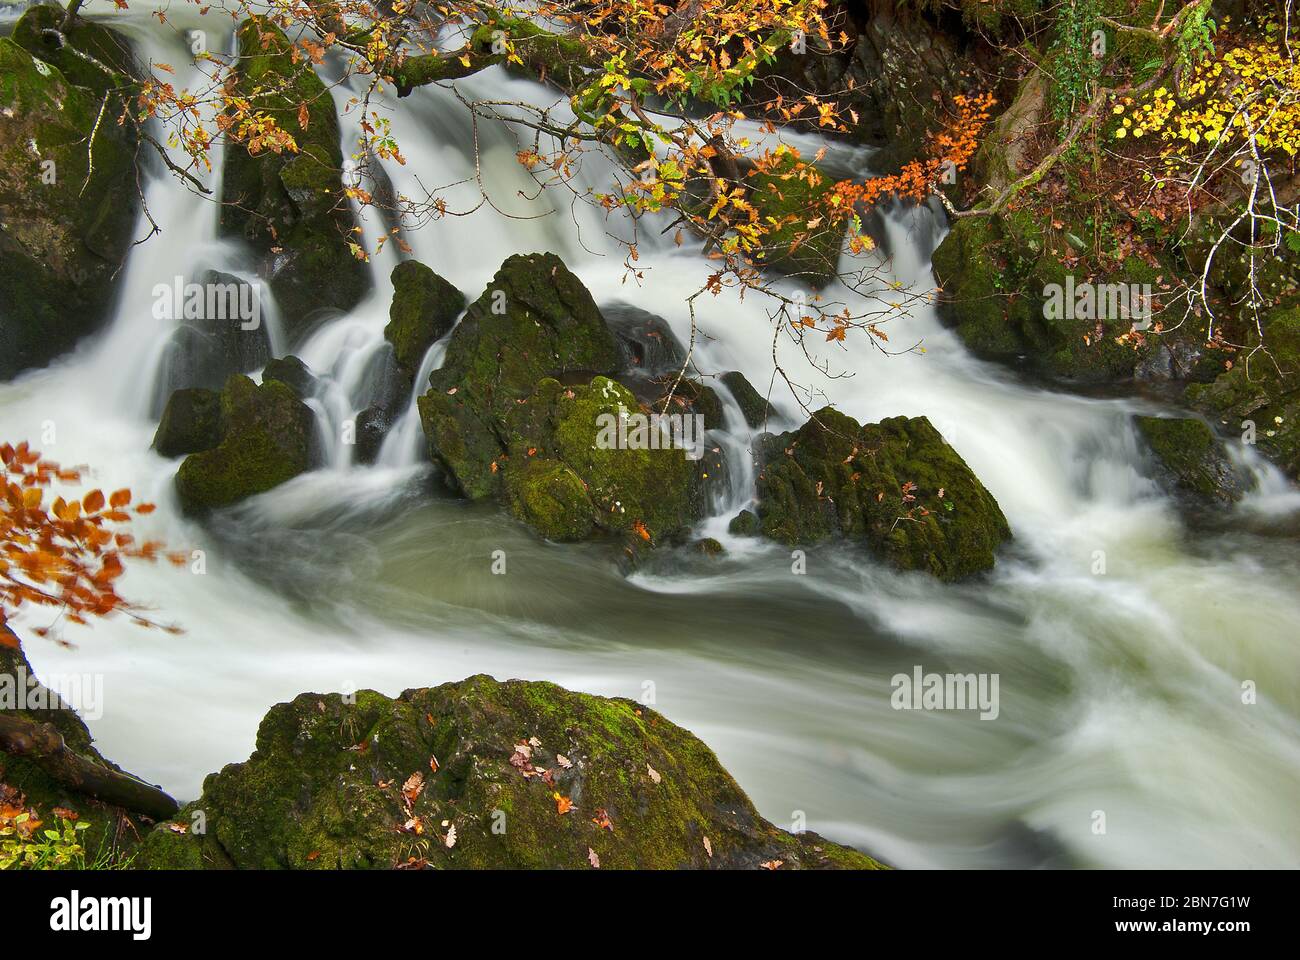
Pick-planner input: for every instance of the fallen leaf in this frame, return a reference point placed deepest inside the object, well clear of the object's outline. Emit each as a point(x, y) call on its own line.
point(451, 837)
point(772, 864)
point(592, 858)
point(562, 804)
point(433, 764)
point(654, 774)
point(601, 820)
point(708, 847)
point(314, 855)
point(413, 787)
point(563, 761)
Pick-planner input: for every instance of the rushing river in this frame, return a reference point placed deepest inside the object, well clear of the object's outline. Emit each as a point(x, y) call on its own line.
point(1119, 693)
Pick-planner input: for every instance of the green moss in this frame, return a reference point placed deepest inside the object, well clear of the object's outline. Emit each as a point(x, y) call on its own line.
point(102, 43)
point(1194, 459)
point(424, 308)
point(552, 499)
point(753, 406)
point(324, 789)
point(896, 486)
point(266, 439)
point(67, 227)
point(784, 200)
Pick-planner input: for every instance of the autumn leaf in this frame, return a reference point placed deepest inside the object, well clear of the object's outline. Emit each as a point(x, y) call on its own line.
point(562, 804)
point(708, 847)
point(654, 774)
point(450, 840)
point(413, 787)
point(601, 820)
point(563, 761)
point(772, 864)
point(592, 858)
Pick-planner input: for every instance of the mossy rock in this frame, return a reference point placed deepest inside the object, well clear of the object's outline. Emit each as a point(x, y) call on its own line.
point(104, 44)
point(783, 196)
point(267, 438)
point(535, 320)
point(1012, 289)
point(290, 206)
point(294, 374)
point(190, 423)
point(745, 524)
point(61, 244)
point(424, 308)
point(551, 499)
point(656, 493)
point(1260, 396)
point(897, 487)
point(1191, 458)
point(110, 840)
point(753, 405)
point(466, 776)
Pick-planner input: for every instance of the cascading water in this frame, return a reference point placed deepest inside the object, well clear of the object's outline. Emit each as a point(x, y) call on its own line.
point(1119, 693)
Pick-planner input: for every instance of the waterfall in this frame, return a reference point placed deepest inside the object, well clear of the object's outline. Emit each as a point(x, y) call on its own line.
point(1120, 693)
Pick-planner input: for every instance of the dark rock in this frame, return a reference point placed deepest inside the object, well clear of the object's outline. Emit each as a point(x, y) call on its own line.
point(424, 308)
point(646, 342)
point(745, 524)
point(373, 424)
point(753, 406)
point(294, 374)
point(190, 423)
point(1191, 458)
point(897, 487)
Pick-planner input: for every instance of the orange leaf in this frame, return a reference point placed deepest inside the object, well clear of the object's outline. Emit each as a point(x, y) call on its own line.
point(94, 501)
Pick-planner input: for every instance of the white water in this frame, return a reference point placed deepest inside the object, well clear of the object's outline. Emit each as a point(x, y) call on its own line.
point(1119, 693)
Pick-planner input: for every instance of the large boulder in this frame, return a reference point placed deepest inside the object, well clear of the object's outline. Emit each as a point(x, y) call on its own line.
point(480, 775)
point(65, 225)
point(896, 487)
point(290, 206)
point(516, 412)
point(267, 437)
point(424, 308)
point(786, 198)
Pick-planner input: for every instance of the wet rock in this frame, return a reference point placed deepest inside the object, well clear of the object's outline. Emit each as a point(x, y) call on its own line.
point(1260, 399)
point(646, 342)
point(745, 524)
point(424, 308)
point(294, 374)
point(896, 487)
point(1191, 459)
point(267, 438)
point(191, 422)
point(373, 424)
point(753, 406)
point(451, 777)
point(65, 228)
point(220, 331)
point(290, 206)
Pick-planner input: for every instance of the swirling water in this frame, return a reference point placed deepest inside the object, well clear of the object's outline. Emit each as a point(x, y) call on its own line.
point(1120, 693)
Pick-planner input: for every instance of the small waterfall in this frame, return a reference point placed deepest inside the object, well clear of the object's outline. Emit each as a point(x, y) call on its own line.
point(1120, 691)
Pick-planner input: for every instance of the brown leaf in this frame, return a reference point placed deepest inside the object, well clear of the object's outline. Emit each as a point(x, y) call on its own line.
point(592, 858)
point(654, 774)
